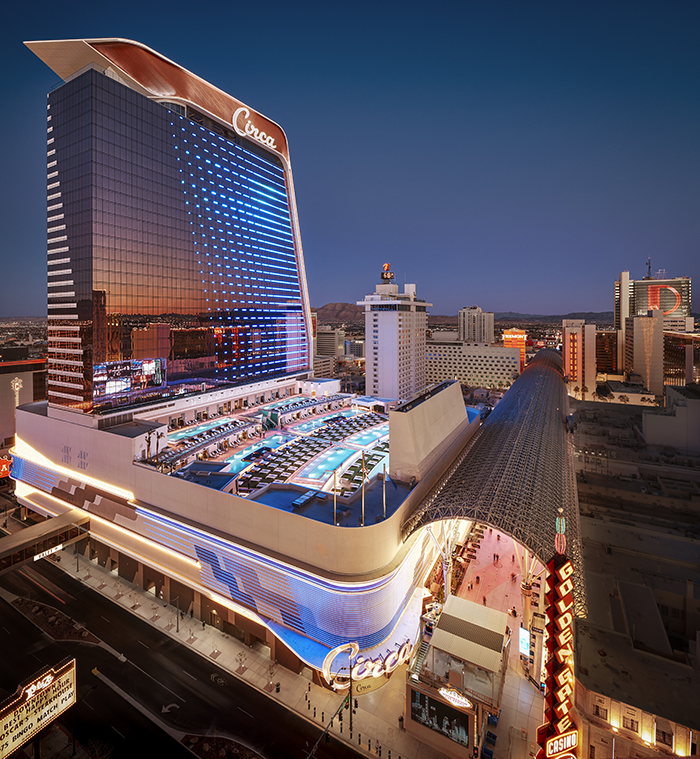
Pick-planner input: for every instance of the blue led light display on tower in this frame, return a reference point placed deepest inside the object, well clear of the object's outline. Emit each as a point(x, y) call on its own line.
point(174, 258)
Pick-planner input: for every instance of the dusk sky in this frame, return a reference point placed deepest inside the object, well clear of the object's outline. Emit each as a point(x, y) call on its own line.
point(515, 155)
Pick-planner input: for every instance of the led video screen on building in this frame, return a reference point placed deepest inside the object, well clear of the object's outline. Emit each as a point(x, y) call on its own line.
point(440, 717)
point(128, 378)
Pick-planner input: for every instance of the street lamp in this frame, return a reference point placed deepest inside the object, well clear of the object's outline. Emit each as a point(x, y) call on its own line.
point(177, 615)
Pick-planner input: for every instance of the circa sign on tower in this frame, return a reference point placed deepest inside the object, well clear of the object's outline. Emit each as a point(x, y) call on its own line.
point(249, 129)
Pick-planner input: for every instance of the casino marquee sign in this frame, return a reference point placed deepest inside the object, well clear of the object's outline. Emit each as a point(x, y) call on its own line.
point(35, 704)
point(559, 737)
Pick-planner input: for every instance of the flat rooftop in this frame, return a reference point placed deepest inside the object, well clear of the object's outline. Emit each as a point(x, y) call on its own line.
point(641, 563)
point(608, 663)
point(424, 396)
point(317, 456)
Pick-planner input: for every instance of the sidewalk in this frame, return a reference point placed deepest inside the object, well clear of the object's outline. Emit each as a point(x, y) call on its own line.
point(377, 716)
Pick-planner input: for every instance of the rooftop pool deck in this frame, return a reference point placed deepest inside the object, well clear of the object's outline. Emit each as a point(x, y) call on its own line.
point(237, 464)
point(195, 429)
point(322, 466)
point(316, 475)
point(348, 515)
point(315, 424)
point(368, 437)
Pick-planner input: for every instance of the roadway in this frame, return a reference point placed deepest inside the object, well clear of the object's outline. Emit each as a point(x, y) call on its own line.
point(159, 676)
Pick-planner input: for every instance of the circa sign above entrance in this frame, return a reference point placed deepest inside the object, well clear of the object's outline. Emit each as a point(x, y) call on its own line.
point(362, 667)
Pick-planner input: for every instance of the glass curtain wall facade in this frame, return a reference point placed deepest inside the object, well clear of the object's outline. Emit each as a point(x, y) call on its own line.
point(172, 262)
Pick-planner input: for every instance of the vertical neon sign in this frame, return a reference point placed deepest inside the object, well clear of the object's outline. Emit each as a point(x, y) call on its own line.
point(559, 698)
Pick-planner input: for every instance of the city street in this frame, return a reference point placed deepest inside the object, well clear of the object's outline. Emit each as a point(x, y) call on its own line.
point(185, 692)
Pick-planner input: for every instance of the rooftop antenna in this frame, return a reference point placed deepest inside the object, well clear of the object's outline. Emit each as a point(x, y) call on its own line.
point(649, 267)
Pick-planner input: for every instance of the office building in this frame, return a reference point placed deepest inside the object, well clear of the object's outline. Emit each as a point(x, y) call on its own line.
point(21, 381)
point(475, 365)
point(395, 327)
point(606, 351)
point(150, 169)
point(330, 342)
point(579, 354)
point(475, 325)
point(672, 296)
point(516, 338)
point(681, 358)
point(325, 366)
point(355, 348)
point(644, 351)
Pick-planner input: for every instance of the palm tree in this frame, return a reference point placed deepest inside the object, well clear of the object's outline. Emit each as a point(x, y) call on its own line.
point(623, 399)
point(584, 390)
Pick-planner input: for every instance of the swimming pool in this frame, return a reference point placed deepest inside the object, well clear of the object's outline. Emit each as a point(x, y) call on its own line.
point(314, 424)
point(367, 437)
point(236, 463)
point(194, 429)
point(326, 462)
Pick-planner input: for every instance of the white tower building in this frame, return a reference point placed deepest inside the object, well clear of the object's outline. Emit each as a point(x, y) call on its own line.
point(475, 325)
point(395, 326)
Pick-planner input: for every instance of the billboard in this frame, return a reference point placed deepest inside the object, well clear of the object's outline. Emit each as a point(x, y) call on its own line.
point(671, 296)
point(35, 704)
point(127, 377)
point(440, 717)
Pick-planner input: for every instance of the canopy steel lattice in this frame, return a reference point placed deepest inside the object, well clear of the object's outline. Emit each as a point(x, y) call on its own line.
point(517, 471)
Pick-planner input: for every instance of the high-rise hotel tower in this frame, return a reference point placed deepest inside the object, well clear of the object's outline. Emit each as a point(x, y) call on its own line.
point(395, 327)
point(174, 259)
point(177, 302)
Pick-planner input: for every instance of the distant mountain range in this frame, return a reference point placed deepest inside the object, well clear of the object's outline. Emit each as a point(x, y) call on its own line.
point(333, 313)
point(592, 317)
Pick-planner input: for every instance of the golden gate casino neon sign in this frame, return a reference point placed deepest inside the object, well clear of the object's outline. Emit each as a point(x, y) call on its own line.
point(559, 734)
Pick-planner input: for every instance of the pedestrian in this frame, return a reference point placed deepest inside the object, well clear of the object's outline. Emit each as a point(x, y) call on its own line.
point(498, 536)
point(498, 556)
point(484, 600)
point(477, 579)
point(512, 559)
